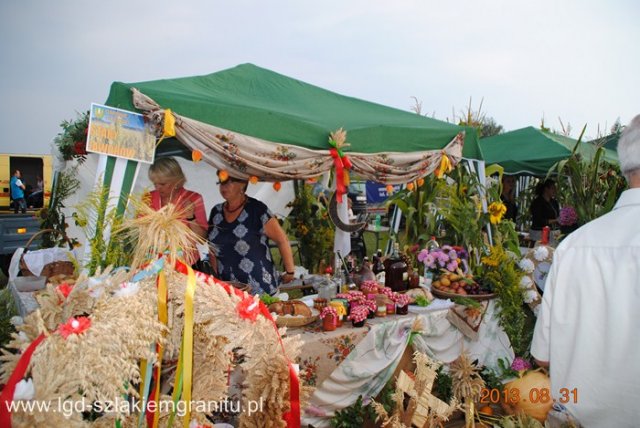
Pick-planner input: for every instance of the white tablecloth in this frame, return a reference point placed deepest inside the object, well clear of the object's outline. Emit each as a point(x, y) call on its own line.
point(371, 364)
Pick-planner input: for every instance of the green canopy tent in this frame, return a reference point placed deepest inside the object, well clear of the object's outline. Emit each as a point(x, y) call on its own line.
point(255, 122)
point(255, 101)
point(533, 151)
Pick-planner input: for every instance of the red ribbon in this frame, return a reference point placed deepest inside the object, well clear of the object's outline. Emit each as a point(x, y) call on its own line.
point(6, 396)
point(292, 417)
point(339, 166)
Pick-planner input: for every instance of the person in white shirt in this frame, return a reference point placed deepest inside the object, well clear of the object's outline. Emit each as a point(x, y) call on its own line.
point(588, 327)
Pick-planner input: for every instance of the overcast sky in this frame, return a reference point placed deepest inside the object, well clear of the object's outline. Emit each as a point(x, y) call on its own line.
point(577, 60)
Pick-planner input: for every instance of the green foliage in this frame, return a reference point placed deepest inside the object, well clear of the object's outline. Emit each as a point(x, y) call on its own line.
point(353, 416)
point(52, 217)
point(500, 273)
point(419, 210)
point(267, 299)
point(92, 216)
point(72, 141)
point(461, 206)
point(591, 187)
point(7, 310)
point(311, 226)
point(494, 379)
point(443, 385)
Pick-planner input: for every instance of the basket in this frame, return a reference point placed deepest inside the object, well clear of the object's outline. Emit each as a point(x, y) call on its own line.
point(297, 321)
point(446, 295)
point(50, 269)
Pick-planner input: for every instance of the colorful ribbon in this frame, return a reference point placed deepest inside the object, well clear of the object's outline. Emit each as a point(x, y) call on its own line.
point(187, 340)
point(342, 164)
point(292, 417)
point(163, 316)
point(168, 125)
point(445, 165)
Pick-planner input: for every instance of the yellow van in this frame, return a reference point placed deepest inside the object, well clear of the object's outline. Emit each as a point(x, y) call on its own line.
point(31, 167)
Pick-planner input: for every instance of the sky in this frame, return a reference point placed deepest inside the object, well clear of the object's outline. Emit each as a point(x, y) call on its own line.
point(575, 61)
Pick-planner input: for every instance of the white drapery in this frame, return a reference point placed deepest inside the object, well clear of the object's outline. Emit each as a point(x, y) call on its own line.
point(245, 156)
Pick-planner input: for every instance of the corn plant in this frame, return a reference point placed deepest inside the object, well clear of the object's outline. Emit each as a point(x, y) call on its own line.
point(591, 186)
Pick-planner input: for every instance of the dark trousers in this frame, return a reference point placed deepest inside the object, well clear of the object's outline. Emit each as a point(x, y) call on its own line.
point(20, 204)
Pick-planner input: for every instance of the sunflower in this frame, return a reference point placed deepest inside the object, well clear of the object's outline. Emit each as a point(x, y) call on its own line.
point(496, 211)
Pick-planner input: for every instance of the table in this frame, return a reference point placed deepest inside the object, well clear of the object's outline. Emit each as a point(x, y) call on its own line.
point(377, 230)
point(349, 362)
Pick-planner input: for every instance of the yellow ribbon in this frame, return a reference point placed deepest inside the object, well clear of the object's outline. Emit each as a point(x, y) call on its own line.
point(445, 166)
point(143, 373)
point(187, 338)
point(169, 125)
point(164, 319)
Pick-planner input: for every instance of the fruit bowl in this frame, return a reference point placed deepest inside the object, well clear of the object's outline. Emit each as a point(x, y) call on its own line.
point(452, 284)
point(448, 295)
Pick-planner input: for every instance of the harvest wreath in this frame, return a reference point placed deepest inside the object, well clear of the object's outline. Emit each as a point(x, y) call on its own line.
point(163, 330)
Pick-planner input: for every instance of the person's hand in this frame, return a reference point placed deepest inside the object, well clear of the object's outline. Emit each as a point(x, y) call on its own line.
point(287, 277)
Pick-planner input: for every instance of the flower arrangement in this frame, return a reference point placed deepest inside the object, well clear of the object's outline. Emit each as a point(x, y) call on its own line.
point(309, 221)
point(568, 216)
point(329, 310)
point(401, 299)
point(358, 314)
point(446, 257)
point(72, 141)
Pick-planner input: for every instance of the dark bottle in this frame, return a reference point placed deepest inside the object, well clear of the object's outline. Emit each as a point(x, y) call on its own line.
point(395, 276)
point(377, 263)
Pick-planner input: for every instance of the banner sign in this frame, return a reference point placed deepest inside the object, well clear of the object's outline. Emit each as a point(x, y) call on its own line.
point(120, 133)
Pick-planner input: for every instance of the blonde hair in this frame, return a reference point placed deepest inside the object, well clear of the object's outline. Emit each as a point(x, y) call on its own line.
point(167, 169)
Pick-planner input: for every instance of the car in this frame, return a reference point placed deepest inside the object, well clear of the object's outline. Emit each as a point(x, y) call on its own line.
point(357, 192)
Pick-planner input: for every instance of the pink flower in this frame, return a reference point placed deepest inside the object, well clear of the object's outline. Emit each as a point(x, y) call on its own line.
point(520, 364)
point(568, 216)
point(74, 326)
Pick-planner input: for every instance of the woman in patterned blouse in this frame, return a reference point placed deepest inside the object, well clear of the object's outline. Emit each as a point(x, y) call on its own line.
point(239, 233)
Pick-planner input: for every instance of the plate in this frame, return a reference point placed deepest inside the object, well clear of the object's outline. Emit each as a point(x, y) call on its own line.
point(446, 295)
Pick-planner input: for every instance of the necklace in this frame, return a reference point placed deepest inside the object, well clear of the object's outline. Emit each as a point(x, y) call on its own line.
point(231, 211)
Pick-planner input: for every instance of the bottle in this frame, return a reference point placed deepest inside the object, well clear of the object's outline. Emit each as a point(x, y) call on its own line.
point(432, 243)
point(377, 223)
point(378, 266)
point(396, 276)
point(545, 235)
point(365, 273)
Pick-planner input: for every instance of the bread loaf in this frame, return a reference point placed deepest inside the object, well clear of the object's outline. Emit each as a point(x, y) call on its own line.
point(293, 308)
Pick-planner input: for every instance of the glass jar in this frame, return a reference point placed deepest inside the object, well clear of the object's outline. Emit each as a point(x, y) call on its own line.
point(402, 310)
point(329, 322)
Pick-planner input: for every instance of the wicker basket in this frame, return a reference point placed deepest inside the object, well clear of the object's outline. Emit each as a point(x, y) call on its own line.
point(295, 321)
point(50, 269)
